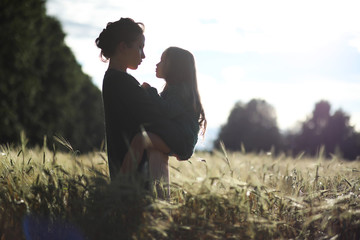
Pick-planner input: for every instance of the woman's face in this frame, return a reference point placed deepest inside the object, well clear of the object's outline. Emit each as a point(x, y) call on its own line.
point(135, 53)
point(160, 67)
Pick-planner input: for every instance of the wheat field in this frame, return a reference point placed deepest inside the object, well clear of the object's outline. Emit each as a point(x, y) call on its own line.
point(45, 194)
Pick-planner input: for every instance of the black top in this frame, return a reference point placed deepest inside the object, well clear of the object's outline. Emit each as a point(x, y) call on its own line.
point(127, 106)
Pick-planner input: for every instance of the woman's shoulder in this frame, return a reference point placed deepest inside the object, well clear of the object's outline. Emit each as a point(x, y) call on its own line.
point(114, 75)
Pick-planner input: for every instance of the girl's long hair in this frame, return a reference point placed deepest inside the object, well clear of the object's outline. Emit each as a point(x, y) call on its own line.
point(180, 70)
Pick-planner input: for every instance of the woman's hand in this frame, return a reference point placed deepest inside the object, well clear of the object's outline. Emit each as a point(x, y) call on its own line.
point(145, 85)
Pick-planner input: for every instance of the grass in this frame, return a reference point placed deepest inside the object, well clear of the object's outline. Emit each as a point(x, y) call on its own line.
point(47, 194)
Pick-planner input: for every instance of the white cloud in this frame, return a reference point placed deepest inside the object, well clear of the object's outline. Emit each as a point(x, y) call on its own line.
point(292, 100)
point(216, 102)
point(355, 42)
point(223, 26)
point(355, 120)
point(235, 26)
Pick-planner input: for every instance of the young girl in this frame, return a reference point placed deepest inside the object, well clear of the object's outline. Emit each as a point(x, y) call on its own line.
point(179, 102)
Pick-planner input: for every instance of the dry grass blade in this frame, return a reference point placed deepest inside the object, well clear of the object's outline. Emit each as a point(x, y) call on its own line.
point(64, 142)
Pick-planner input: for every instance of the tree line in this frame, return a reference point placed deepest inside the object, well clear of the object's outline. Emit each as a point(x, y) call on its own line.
point(253, 127)
point(43, 90)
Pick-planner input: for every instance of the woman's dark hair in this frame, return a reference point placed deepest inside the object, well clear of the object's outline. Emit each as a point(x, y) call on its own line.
point(124, 30)
point(180, 70)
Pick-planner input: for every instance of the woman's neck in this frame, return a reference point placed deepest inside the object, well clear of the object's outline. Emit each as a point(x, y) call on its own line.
point(117, 64)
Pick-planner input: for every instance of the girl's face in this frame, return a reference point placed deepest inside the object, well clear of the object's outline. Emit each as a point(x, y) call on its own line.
point(161, 67)
point(135, 53)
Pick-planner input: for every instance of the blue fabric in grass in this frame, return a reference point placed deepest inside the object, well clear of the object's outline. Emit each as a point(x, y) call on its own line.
point(40, 228)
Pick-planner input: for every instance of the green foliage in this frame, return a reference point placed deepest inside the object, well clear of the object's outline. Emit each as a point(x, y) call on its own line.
point(231, 196)
point(43, 90)
point(253, 125)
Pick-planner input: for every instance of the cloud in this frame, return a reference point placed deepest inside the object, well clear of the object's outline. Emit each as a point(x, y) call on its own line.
point(226, 26)
point(221, 26)
point(302, 30)
point(215, 103)
point(355, 120)
point(295, 98)
point(355, 42)
point(292, 96)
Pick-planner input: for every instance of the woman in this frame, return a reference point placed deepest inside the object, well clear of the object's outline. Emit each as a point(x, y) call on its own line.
point(127, 106)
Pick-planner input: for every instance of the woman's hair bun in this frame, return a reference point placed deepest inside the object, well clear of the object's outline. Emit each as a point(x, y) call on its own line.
point(124, 30)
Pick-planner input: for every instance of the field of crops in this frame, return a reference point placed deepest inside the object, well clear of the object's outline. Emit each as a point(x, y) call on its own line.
point(52, 195)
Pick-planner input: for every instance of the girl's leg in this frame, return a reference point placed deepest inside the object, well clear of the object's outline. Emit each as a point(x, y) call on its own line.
point(158, 155)
point(155, 142)
point(159, 173)
point(139, 143)
point(158, 161)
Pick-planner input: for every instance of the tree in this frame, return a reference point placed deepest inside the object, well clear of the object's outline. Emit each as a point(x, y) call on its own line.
point(253, 125)
point(311, 136)
point(43, 90)
point(332, 131)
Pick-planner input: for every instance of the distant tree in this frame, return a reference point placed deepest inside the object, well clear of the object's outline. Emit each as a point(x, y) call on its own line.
point(253, 125)
point(312, 132)
point(43, 90)
point(332, 131)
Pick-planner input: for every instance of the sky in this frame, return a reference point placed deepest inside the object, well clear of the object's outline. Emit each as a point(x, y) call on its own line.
point(291, 54)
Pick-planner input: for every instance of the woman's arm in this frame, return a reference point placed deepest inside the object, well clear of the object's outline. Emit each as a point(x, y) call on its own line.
point(171, 107)
point(124, 89)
